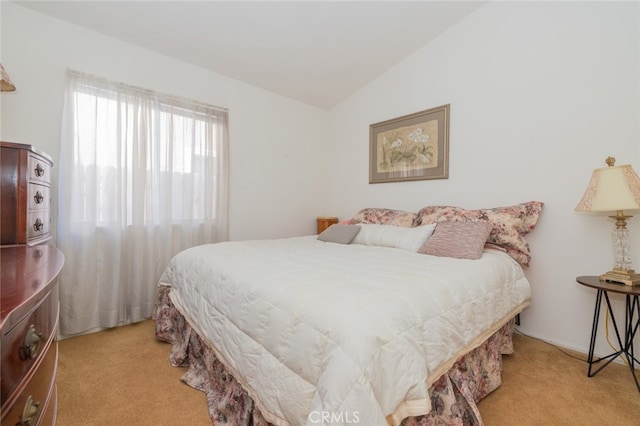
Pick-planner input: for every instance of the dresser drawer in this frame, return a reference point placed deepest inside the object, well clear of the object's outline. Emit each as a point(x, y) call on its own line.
point(49, 412)
point(39, 169)
point(25, 187)
point(38, 197)
point(38, 394)
point(18, 359)
point(38, 224)
point(29, 313)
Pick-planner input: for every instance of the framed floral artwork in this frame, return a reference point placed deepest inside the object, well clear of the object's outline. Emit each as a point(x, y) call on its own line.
point(412, 147)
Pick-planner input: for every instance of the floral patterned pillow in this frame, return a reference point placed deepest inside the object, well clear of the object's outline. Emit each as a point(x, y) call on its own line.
point(510, 224)
point(379, 216)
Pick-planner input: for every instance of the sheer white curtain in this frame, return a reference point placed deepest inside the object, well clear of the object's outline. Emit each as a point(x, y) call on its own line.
point(142, 176)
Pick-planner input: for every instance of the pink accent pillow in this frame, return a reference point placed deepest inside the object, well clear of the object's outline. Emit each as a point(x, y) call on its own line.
point(510, 224)
point(462, 240)
point(379, 216)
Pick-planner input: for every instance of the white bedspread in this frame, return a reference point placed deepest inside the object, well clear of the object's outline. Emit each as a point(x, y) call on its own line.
point(322, 333)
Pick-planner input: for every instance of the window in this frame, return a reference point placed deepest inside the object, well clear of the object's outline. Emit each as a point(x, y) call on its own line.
point(143, 175)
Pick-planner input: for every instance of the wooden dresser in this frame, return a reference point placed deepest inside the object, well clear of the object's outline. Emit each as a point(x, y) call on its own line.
point(25, 191)
point(29, 323)
point(28, 289)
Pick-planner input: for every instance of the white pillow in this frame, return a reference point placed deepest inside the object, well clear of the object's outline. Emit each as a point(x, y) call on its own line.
point(410, 239)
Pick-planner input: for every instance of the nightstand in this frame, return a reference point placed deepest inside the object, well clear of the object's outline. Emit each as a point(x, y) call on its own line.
point(632, 322)
point(325, 222)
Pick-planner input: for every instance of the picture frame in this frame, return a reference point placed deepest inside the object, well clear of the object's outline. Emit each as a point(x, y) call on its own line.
point(411, 147)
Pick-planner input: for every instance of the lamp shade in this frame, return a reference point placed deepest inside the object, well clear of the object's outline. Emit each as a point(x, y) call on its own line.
point(5, 82)
point(612, 188)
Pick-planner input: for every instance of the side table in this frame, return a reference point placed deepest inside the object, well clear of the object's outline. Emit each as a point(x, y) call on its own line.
point(632, 322)
point(324, 222)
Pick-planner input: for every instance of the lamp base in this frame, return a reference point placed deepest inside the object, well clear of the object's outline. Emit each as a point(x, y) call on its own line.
point(624, 276)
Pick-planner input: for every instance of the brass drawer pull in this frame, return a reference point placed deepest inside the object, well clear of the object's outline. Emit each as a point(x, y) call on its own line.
point(38, 197)
point(31, 343)
point(37, 254)
point(30, 412)
point(38, 225)
point(39, 170)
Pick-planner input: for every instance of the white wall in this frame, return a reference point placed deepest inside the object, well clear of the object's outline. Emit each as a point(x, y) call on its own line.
point(541, 93)
point(276, 144)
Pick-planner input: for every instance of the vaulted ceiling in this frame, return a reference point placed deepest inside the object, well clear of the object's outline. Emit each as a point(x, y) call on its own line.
point(317, 52)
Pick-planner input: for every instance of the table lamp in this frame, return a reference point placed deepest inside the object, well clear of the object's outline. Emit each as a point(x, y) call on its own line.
point(5, 82)
point(615, 189)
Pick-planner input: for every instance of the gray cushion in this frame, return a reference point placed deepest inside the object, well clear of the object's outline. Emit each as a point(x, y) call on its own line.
point(339, 233)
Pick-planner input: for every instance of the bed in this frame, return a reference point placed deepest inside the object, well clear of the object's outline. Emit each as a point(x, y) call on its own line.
point(392, 318)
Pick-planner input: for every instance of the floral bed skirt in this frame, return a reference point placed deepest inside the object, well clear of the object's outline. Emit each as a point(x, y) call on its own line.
point(453, 396)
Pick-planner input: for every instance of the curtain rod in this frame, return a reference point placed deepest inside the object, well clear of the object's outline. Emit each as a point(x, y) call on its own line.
point(150, 92)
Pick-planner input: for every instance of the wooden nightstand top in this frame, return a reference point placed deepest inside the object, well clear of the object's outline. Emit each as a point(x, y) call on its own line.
point(594, 282)
point(325, 221)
